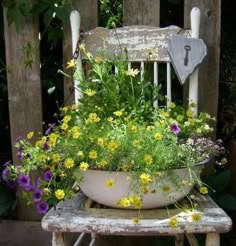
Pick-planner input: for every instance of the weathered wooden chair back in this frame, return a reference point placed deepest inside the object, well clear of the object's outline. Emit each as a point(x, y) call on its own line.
point(141, 42)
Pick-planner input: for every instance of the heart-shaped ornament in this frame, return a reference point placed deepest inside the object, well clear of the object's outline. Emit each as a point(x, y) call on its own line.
point(185, 54)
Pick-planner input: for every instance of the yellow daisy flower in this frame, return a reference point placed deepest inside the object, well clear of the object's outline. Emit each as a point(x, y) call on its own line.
point(148, 159)
point(93, 154)
point(83, 166)
point(173, 222)
point(69, 163)
point(71, 64)
point(90, 92)
point(203, 190)
point(30, 135)
point(117, 113)
point(56, 157)
point(110, 183)
point(112, 145)
point(59, 194)
point(145, 178)
point(158, 136)
point(136, 220)
point(196, 217)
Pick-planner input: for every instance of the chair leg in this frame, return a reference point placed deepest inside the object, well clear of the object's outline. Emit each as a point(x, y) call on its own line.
point(179, 239)
point(93, 239)
point(57, 239)
point(213, 239)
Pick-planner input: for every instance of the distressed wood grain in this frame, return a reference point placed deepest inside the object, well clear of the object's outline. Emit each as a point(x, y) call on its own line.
point(141, 12)
point(210, 33)
point(141, 42)
point(24, 89)
point(88, 10)
point(68, 218)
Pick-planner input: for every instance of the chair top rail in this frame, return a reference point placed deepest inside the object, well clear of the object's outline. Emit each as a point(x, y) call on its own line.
point(141, 42)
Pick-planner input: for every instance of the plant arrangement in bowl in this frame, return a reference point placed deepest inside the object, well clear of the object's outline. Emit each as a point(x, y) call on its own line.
point(114, 137)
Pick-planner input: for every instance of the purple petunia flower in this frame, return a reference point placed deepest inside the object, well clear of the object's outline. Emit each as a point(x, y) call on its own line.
point(18, 138)
point(45, 146)
point(42, 207)
point(5, 173)
point(19, 156)
point(50, 128)
point(11, 183)
point(20, 148)
point(23, 180)
point(7, 163)
point(174, 128)
point(29, 187)
point(37, 195)
point(47, 175)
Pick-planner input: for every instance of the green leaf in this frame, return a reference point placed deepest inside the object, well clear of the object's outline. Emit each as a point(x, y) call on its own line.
point(14, 16)
point(15, 11)
point(40, 7)
point(219, 181)
point(227, 201)
point(62, 13)
point(48, 16)
point(7, 199)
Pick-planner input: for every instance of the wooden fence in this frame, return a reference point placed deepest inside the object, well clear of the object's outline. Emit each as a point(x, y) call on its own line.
point(24, 89)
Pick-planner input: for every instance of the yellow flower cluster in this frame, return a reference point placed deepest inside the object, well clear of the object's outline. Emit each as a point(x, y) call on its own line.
point(93, 118)
point(133, 200)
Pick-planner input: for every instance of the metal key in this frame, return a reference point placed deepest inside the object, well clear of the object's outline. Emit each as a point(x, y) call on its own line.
point(187, 49)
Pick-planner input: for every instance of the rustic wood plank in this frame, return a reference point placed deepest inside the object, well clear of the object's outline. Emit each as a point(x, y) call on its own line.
point(209, 69)
point(141, 12)
point(89, 19)
point(24, 88)
point(142, 42)
point(119, 221)
point(27, 233)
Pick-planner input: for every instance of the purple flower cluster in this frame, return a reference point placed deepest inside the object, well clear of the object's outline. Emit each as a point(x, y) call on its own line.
point(175, 128)
point(47, 175)
point(24, 181)
point(42, 207)
point(10, 183)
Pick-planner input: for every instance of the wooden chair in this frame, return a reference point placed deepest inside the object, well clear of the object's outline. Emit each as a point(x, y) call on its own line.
point(140, 42)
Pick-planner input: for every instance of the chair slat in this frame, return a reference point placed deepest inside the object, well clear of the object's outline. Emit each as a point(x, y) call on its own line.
point(155, 80)
point(168, 78)
point(141, 42)
point(142, 70)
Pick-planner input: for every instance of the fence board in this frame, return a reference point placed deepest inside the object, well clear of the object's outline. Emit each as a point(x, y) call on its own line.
point(209, 69)
point(24, 88)
point(141, 12)
point(89, 19)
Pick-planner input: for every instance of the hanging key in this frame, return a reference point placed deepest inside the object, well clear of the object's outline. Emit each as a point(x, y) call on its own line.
point(187, 49)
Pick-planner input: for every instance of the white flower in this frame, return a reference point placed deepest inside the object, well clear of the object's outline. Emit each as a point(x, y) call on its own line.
point(132, 72)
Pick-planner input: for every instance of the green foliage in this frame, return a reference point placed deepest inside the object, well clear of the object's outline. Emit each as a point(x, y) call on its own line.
point(111, 11)
point(7, 200)
point(15, 10)
point(123, 89)
point(28, 51)
point(219, 182)
point(48, 9)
